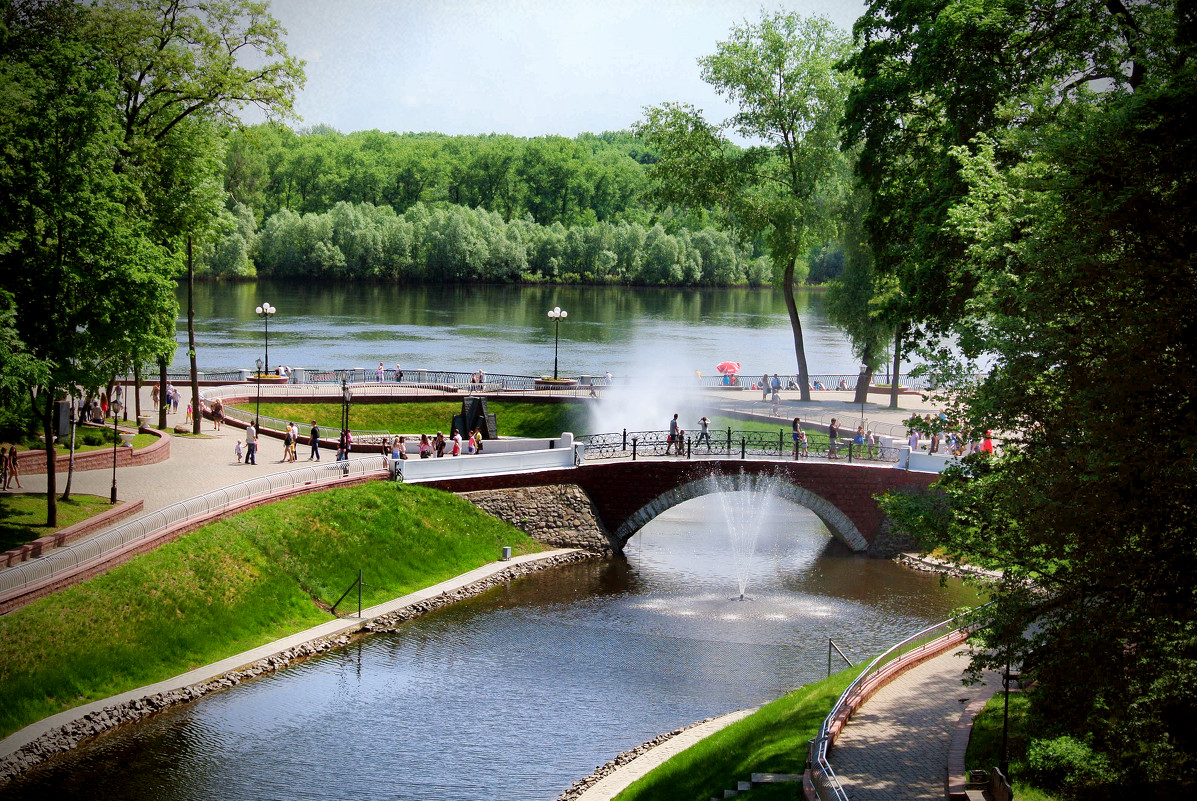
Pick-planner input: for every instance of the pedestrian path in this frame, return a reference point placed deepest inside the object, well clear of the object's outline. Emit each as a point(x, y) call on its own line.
point(895, 748)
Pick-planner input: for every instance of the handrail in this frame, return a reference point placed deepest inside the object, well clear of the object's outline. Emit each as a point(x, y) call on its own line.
point(71, 556)
point(728, 443)
point(823, 778)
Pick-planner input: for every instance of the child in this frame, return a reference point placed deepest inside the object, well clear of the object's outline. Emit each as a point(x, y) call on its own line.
point(237, 450)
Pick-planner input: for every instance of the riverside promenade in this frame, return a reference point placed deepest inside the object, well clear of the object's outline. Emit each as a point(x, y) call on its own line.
point(896, 745)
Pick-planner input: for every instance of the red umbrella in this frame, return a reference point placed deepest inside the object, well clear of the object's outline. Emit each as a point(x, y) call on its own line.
point(728, 368)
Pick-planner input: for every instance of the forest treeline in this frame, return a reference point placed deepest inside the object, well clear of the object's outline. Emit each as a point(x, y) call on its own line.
point(432, 207)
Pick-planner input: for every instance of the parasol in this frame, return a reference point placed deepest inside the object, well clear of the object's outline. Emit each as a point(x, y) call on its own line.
point(728, 368)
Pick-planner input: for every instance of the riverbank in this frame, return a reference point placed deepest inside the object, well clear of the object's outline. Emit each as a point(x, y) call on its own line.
point(265, 577)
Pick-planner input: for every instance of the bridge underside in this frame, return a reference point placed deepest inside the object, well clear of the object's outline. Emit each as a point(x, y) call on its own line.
point(840, 525)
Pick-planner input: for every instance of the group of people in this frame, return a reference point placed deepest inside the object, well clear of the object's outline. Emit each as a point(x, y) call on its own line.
point(949, 441)
point(168, 396)
point(380, 373)
point(9, 469)
point(455, 445)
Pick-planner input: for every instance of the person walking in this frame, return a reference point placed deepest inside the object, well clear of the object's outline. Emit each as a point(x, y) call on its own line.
point(439, 444)
point(217, 414)
point(378, 373)
point(765, 387)
point(833, 445)
point(286, 444)
point(704, 433)
point(675, 436)
point(315, 437)
point(251, 444)
point(4, 467)
point(796, 434)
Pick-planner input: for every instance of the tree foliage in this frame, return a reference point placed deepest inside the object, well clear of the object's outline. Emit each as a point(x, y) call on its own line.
point(781, 75)
point(1043, 179)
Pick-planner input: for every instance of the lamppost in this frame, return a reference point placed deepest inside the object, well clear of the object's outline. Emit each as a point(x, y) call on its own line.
point(345, 398)
point(557, 316)
point(266, 311)
point(115, 439)
point(864, 369)
point(258, 402)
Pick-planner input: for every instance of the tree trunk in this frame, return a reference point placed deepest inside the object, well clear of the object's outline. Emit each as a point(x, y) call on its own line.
point(787, 288)
point(893, 387)
point(196, 417)
point(163, 401)
point(47, 415)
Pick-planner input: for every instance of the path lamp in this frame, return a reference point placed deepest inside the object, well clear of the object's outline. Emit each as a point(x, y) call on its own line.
point(864, 369)
point(266, 311)
point(345, 399)
point(258, 403)
point(115, 439)
point(557, 316)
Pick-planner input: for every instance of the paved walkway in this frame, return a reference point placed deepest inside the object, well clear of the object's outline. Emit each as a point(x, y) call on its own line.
point(895, 748)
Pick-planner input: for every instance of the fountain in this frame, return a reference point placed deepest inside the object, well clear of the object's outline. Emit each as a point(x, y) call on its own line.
point(744, 500)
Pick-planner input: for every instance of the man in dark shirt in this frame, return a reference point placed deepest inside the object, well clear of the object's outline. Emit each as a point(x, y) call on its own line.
point(833, 431)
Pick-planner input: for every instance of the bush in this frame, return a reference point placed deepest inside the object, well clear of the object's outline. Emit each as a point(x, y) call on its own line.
point(1066, 764)
point(91, 438)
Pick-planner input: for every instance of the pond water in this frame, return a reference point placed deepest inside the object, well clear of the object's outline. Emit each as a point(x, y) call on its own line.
point(631, 331)
point(519, 692)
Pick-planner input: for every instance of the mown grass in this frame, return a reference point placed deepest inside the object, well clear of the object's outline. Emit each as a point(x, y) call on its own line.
point(771, 740)
point(139, 441)
point(234, 585)
point(985, 744)
point(514, 419)
point(23, 517)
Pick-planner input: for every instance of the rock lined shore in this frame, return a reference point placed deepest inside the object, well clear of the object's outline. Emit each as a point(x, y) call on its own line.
point(70, 735)
point(606, 769)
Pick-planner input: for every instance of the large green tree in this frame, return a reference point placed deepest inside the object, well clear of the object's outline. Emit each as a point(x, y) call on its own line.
point(1048, 171)
point(781, 75)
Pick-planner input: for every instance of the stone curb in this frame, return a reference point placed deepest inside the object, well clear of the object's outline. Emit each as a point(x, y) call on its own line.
point(65, 730)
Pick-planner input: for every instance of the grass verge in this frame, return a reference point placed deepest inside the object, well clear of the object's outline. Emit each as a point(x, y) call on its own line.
point(514, 419)
point(234, 585)
point(771, 740)
point(23, 517)
point(985, 744)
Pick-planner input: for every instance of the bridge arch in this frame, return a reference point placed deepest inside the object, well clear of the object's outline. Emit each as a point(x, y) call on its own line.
point(840, 525)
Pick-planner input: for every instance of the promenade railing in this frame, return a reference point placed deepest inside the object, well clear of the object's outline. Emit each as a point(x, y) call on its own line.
point(69, 557)
point(727, 443)
point(826, 784)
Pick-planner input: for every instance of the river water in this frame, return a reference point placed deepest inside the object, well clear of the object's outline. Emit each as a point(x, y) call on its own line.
point(517, 693)
point(631, 331)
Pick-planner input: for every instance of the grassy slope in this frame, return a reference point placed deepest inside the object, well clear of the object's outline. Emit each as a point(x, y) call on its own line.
point(234, 585)
point(514, 419)
point(771, 740)
point(23, 517)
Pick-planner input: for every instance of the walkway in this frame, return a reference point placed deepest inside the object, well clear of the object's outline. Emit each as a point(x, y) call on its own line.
point(895, 748)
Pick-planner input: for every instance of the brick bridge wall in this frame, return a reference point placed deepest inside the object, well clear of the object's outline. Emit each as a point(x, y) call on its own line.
point(628, 494)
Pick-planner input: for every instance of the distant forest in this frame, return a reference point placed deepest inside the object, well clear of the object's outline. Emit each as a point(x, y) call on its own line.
point(497, 208)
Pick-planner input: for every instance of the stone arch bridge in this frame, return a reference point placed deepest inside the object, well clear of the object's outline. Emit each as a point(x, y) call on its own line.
point(627, 495)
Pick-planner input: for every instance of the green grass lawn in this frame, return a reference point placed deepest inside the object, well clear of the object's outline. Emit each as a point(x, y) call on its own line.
point(234, 585)
point(23, 517)
point(771, 740)
point(984, 746)
point(514, 419)
point(104, 443)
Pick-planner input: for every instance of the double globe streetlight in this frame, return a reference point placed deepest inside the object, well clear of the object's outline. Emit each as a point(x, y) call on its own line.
point(265, 311)
point(557, 315)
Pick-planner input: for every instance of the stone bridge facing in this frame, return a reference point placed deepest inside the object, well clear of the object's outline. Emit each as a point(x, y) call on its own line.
point(627, 495)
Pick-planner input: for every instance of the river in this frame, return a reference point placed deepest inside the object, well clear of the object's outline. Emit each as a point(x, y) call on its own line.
point(517, 693)
point(630, 331)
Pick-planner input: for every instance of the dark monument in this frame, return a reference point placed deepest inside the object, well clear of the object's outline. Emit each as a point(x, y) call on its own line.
point(474, 415)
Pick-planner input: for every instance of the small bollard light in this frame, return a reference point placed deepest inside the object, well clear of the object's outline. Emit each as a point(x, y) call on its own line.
point(506, 553)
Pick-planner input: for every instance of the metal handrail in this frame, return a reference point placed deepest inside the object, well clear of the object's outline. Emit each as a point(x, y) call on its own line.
point(71, 556)
point(728, 443)
point(823, 778)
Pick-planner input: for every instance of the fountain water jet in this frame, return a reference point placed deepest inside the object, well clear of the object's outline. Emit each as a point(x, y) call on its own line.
point(745, 501)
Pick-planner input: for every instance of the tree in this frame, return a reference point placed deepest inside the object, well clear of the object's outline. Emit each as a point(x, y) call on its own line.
point(781, 74)
point(1074, 270)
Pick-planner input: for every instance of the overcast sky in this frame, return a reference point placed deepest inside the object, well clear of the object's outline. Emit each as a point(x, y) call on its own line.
point(504, 66)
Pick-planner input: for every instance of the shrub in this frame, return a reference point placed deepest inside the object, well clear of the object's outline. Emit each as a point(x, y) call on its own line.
point(1066, 764)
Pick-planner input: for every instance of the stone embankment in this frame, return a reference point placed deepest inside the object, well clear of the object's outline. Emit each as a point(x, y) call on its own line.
point(561, 515)
point(606, 769)
point(69, 735)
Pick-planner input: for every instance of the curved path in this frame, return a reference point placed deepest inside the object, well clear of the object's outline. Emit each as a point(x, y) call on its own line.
point(895, 748)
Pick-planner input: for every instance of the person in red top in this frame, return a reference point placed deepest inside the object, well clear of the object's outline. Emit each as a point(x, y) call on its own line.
point(987, 443)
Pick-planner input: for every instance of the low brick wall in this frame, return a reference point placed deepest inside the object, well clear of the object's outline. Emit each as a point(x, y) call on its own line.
point(561, 515)
point(66, 536)
point(34, 462)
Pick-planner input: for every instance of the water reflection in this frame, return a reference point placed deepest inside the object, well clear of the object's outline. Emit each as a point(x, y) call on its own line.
point(517, 693)
point(503, 329)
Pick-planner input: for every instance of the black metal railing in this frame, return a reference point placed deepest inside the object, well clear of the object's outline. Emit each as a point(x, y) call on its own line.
point(727, 443)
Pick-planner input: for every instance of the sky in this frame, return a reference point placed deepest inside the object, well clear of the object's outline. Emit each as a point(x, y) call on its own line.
point(528, 68)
